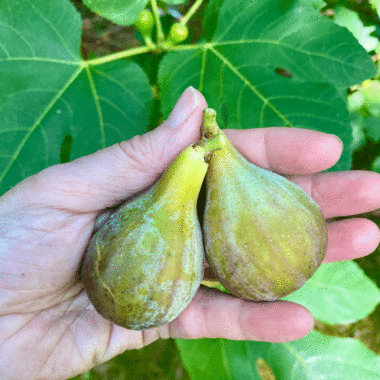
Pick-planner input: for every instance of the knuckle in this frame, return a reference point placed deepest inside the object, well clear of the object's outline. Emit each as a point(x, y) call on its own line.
point(142, 153)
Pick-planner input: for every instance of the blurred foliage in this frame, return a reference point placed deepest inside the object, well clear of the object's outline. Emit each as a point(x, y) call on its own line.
point(158, 361)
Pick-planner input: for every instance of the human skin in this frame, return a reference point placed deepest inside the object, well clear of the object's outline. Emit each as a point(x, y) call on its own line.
point(48, 327)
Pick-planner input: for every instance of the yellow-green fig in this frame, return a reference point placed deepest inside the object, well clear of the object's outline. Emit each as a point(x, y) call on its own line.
point(144, 265)
point(264, 236)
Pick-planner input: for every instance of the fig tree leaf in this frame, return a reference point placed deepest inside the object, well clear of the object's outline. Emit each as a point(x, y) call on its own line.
point(48, 92)
point(220, 359)
point(317, 4)
point(122, 12)
point(338, 293)
point(294, 36)
point(272, 63)
point(316, 356)
point(211, 16)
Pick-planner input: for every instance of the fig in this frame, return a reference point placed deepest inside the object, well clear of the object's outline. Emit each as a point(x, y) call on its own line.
point(144, 265)
point(177, 34)
point(145, 23)
point(264, 235)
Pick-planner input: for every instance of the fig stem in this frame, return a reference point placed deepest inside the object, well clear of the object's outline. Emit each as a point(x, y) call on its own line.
point(185, 19)
point(214, 143)
point(209, 127)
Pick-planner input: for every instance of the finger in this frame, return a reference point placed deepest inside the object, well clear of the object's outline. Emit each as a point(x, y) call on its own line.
point(350, 239)
point(110, 175)
point(287, 150)
point(343, 193)
point(213, 314)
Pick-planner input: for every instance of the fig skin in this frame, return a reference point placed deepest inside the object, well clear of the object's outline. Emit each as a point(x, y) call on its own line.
point(145, 264)
point(264, 236)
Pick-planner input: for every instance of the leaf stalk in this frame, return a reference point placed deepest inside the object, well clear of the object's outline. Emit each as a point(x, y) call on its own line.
point(209, 126)
point(119, 55)
point(156, 14)
point(185, 19)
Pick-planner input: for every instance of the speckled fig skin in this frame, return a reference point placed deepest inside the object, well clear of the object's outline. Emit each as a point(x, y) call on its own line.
point(145, 264)
point(264, 236)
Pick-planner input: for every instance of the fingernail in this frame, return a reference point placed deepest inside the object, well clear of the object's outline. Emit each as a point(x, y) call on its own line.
point(339, 140)
point(184, 107)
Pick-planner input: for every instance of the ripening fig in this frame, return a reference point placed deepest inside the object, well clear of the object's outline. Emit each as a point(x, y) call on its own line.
point(264, 236)
point(144, 265)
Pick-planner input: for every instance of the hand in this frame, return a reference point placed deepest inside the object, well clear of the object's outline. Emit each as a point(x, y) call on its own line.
point(49, 329)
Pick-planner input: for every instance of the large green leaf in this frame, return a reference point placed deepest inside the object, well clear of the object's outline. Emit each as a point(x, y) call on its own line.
point(314, 357)
point(123, 12)
point(338, 293)
point(239, 70)
point(291, 35)
point(49, 93)
point(210, 17)
point(322, 357)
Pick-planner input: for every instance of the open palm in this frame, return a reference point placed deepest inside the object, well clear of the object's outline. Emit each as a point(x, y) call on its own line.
point(48, 327)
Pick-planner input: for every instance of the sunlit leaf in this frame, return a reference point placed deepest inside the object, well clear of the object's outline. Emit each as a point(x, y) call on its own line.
point(350, 20)
point(338, 293)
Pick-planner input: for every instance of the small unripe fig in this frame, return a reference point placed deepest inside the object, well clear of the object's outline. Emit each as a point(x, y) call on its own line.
point(178, 33)
point(264, 236)
point(144, 265)
point(145, 23)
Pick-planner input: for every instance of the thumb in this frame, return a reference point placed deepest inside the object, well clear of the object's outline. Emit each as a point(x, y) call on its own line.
point(108, 176)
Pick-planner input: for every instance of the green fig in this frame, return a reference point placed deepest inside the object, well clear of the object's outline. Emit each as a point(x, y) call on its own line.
point(145, 23)
point(264, 236)
point(177, 34)
point(144, 265)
